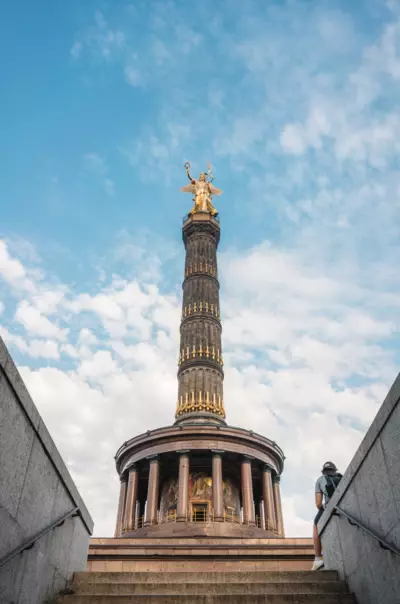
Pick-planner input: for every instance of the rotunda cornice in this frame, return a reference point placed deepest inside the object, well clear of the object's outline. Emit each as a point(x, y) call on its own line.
point(197, 437)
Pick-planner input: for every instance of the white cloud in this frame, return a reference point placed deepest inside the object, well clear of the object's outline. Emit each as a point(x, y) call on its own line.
point(292, 139)
point(99, 39)
point(102, 304)
point(133, 75)
point(36, 323)
point(99, 365)
point(345, 116)
point(72, 351)
point(46, 349)
point(47, 301)
point(12, 270)
point(86, 336)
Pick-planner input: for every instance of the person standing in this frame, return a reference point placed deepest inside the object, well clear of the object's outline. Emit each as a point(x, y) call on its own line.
point(324, 489)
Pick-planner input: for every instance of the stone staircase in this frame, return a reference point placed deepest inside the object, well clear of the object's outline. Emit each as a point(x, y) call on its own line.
point(249, 587)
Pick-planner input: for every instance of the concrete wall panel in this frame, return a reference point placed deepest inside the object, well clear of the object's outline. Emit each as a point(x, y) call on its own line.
point(36, 490)
point(377, 566)
point(10, 531)
point(332, 546)
point(390, 440)
point(37, 573)
point(377, 505)
point(369, 491)
point(353, 545)
point(11, 575)
point(38, 493)
point(16, 440)
point(79, 548)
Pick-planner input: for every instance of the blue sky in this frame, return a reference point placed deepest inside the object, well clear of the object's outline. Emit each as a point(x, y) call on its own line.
point(295, 103)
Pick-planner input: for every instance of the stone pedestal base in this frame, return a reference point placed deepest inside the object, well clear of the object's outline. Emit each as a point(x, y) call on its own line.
point(199, 554)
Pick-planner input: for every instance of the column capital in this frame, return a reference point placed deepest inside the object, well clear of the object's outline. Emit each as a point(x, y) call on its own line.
point(249, 458)
point(151, 458)
point(183, 451)
point(123, 477)
point(217, 451)
point(267, 468)
point(276, 479)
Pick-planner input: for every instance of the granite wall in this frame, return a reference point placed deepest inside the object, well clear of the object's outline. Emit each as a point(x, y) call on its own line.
point(370, 492)
point(36, 490)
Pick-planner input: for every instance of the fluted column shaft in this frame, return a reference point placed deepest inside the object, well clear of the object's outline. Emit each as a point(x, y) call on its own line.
point(183, 487)
point(247, 492)
point(121, 506)
point(131, 498)
point(152, 491)
point(268, 496)
point(217, 486)
point(278, 506)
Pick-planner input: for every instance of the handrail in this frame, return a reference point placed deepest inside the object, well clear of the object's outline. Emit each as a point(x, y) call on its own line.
point(29, 544)
point(197, 516)
point(382, 542)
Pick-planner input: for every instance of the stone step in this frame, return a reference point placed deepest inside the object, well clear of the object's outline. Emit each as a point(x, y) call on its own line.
point(204, 588)
point(176, 563)
point(211, 599)
point(205, 577)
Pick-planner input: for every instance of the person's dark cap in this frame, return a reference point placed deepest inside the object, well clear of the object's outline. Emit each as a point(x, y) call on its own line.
point(329, 466)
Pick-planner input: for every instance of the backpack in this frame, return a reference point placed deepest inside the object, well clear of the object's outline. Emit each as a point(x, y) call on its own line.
point(332, 482)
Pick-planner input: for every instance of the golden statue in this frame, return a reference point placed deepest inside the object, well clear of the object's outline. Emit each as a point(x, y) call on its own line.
point(202, 190)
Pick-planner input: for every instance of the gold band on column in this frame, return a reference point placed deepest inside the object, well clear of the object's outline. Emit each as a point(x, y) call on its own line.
point(217, 486)
point(121, 506)
point(247, 492)
point(278, 506)
point(152, 491)
point(268, 496)
point(183, 487)
point(131, 497)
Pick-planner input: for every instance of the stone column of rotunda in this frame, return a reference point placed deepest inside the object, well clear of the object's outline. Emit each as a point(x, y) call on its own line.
point(200, 373)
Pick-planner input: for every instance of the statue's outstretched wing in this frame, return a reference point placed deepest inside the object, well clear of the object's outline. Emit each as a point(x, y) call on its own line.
point(214, 190)
point(188, 189)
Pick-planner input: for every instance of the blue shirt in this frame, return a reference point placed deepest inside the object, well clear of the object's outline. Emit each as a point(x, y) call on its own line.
point(320, 487)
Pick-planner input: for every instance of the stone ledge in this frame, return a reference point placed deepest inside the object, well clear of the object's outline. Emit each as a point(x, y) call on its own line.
point(278, 541)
